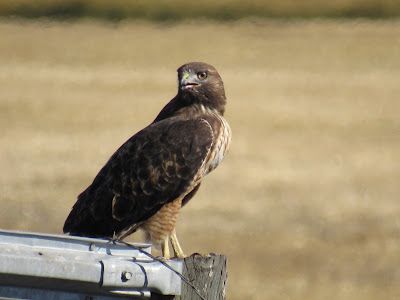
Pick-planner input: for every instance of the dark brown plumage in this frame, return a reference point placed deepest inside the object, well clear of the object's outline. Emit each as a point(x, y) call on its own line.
point(158, 170)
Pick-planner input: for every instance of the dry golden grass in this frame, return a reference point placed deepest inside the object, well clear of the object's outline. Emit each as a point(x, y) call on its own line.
point(306, 205)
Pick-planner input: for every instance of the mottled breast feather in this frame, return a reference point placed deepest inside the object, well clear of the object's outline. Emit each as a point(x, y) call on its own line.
point(221, 144)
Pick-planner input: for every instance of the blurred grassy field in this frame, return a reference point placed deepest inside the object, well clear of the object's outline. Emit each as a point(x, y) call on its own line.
point(306, 204)
point(178, 10)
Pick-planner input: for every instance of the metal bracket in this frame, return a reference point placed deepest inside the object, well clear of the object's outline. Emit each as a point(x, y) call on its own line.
point(123, 276)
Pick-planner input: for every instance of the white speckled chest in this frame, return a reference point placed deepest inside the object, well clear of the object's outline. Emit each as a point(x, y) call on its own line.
point(221, 146)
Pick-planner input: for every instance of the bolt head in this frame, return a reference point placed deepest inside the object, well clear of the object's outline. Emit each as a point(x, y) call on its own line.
point(126, 275)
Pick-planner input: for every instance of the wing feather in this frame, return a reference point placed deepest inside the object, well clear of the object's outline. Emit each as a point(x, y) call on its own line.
point(154, 167)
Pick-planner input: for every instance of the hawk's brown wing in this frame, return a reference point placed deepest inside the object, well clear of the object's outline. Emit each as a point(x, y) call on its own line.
point(154, 167)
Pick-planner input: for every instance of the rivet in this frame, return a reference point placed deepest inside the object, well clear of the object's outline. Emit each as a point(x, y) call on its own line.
point(126, 275)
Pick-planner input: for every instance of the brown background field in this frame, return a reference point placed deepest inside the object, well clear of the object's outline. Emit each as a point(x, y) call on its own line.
point(306, 205)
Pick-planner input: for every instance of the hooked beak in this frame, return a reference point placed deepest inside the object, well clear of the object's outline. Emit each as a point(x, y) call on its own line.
point(187, 82)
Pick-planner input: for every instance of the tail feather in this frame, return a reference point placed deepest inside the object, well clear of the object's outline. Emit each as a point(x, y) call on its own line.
point(91, 217)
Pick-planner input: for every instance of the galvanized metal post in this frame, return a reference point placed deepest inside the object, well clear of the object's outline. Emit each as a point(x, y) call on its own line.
point(49, 266)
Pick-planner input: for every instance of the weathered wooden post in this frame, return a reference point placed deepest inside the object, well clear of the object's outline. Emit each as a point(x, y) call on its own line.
point(207, 276)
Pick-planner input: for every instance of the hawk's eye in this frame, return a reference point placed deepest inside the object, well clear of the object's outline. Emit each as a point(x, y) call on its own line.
point(202, 75)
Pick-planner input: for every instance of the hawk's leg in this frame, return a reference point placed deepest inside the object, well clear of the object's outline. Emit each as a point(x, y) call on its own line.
point(175, 245)
point(165, 249)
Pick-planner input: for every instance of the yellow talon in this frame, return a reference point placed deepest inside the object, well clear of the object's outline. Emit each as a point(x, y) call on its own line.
point(175, 246)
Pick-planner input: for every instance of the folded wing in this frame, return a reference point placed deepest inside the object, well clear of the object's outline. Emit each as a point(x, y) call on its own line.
point(154, 167)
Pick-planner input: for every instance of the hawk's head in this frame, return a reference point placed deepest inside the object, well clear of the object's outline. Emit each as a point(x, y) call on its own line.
point(200, 83)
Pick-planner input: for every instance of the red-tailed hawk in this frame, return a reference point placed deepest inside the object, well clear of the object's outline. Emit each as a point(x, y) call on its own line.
point(157, 171)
